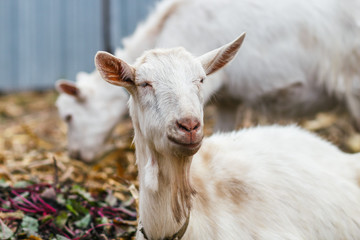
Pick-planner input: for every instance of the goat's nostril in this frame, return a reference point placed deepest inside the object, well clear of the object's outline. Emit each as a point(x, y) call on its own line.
point(188, 124)
point(182, 127)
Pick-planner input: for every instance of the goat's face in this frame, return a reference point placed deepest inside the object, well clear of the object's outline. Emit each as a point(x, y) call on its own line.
point(166, 102)
point(90, 114)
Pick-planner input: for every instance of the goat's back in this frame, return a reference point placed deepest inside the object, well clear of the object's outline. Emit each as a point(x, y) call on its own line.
point(303, 51)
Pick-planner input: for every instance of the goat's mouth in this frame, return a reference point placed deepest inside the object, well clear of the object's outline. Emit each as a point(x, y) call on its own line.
point(188, 145)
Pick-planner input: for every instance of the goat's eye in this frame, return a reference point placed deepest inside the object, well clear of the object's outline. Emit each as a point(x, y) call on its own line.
point(68, 118)
point(202, 80)
point(145, 84)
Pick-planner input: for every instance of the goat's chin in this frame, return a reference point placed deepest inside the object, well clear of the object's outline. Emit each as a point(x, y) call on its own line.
point(87, 156)
point(180, 149)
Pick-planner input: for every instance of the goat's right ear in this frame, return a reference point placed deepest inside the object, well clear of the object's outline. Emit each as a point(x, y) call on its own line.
point(114, 70)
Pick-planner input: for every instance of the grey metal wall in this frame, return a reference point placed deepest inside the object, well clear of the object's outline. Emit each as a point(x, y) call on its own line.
point(44, 40)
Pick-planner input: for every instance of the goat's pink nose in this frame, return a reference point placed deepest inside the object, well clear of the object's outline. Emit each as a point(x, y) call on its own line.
point(188, 124)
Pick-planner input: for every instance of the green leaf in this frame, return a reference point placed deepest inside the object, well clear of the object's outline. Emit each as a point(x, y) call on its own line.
point(72, 209)
point(60, 199)
point(84, 222)
point(3, 183)
point(6, 205)
point(104, 220)
point(24, 195)
point(110, 199)
point(21, 184)
point(30, 225)
point(5, 231)
point(47, 218)
point(61, 219)
point(82, 192)
point(76, 208)
point(60, 237)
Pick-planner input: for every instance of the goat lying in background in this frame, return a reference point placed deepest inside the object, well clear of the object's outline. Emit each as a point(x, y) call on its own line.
point(262, 183)
point(300, 57)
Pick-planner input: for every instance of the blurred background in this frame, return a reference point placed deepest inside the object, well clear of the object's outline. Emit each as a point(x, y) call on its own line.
point(42, 41)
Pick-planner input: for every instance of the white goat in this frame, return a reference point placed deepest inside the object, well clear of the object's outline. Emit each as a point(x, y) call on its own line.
point(261, 183)
point(80, 107)
point(300, 56)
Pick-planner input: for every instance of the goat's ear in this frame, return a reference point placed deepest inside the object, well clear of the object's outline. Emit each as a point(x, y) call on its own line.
point(65, 86)
point(114, 70)
point(218, 58)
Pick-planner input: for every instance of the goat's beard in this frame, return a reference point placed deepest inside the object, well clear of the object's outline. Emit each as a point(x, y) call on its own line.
point(174, 170)
point(181, 189)
point(184, 152)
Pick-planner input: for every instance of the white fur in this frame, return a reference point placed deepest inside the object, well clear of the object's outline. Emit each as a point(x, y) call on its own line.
point(88, 129)
point(151, 173)
point(260, 183)
point(296, 186)
point(299, 56)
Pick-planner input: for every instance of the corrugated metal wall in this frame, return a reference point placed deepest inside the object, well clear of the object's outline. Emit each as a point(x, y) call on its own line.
point(44, 40)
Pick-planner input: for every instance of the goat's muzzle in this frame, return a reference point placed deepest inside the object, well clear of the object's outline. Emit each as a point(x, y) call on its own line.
point(187, 135)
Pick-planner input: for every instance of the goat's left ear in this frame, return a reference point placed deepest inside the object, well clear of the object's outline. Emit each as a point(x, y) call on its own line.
point(218, 58)
point(114, 70)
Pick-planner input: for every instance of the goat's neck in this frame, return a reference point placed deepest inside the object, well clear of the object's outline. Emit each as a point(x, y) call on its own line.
point(165, 191)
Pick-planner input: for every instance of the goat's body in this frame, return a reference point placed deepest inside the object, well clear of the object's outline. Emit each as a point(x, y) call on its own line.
point(250, 186)
point(311, 194)
point(299, 58)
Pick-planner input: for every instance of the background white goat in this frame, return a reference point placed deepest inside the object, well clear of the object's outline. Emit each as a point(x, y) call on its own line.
point(299, 57)
point(262, 183)
point(81, 108)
